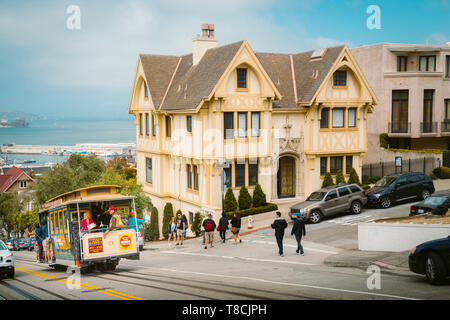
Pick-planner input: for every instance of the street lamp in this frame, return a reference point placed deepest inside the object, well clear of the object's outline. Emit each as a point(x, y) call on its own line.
point(222, 164)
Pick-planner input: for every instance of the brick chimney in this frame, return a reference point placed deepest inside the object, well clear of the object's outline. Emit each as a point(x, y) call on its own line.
point(204, 42)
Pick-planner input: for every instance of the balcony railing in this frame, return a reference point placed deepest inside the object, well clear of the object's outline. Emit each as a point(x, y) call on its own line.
point(401, 127)
point(445, 126)
point(428, 127)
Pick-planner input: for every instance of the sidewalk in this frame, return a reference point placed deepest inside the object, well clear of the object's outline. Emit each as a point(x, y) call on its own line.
point(363, 259)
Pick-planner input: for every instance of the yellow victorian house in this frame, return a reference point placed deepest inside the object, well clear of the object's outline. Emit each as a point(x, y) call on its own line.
point(280, 120)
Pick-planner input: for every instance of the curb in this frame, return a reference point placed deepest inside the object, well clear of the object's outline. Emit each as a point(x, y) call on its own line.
point(362, 264)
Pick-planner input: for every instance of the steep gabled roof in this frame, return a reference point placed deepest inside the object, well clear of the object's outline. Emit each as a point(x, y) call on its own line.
point(8, 179)
point(176, 84)
point(307, 84)
point(158, 70)
point(308, 73)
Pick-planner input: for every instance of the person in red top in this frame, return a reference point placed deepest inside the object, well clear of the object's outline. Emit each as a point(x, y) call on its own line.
point(86, 222)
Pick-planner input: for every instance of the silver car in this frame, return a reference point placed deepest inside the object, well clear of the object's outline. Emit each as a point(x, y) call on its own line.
point(331, 200)
point(6, 261)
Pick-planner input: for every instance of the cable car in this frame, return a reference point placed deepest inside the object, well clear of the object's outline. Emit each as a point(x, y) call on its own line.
point(99, 246)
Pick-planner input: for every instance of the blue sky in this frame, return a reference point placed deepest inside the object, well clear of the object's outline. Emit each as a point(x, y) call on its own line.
point(50, 70)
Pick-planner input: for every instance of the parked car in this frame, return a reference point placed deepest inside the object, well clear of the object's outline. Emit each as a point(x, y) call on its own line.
point(437, 204)
point(432, 259)
point(31, 242)
point(6, 261)
point(15, 244)
point(399, 187)
point(9, 244)
point(331, 200)
point(22, 244)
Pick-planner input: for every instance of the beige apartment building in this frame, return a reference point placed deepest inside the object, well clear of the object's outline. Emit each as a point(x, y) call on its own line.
point(412, 83)
point(280, 120)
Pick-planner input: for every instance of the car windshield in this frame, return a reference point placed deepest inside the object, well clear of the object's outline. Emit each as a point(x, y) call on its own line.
point(385, 181)
point(316, 196)
point(435, 201)
point(2, 246)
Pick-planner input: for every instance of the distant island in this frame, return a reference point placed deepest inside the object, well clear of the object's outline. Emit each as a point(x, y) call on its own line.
point(19, 123)
point(16, 119)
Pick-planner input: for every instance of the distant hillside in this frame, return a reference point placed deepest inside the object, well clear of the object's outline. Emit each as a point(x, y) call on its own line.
point(13, 115)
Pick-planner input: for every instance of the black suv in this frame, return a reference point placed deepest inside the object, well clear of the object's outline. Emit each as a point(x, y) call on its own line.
point(399, 187)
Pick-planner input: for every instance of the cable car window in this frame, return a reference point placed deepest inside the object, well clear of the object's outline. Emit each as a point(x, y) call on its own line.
point(63, 221)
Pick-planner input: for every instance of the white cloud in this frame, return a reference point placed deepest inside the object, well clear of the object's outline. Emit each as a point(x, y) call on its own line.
point(103, 54)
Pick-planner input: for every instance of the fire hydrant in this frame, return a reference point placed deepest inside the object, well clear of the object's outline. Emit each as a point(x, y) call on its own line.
point(250, 222)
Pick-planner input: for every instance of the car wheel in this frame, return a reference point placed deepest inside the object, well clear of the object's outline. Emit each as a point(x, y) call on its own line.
point(425, 194)
point(386, 202)
point(434, 268)
point(356, 207)
point(315, 216)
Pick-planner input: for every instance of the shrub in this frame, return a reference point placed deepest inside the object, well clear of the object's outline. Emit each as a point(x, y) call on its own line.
point(327, 180)
point(245, 199)
point(253, 211)
point(340, 177)
point(151, 230)
point(433, 176)
point(354, 178)
point(384, 140)
point(167, 215)
point(444, 173)
point(230, 203)
point(196, 224)
point(259, 197)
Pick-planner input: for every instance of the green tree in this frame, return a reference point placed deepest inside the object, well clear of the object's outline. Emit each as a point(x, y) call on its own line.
point(340, 177)
point(259, 197)
point(152, 229)
point(128, 187)
point(25, 219)
point(354, 178)
point(245, 199)
point(230, 203)
point(327, 180)
point(167, 215)
point(196, 224)
point(9, 206)
point(78, 171)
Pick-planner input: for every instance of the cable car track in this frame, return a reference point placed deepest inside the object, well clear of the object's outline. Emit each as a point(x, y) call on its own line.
point(208, 285)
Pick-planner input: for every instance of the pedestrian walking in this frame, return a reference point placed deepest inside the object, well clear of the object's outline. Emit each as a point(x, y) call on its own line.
point(236, 227)
point(180, 229)
point(223, 226)
point(279, 225)
point(209, 226)
point(185, 226)
point(203, 229)
point(172, 230)
point(299, 230)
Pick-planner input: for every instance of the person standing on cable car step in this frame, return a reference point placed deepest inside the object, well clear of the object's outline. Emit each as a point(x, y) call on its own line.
point(133, 220)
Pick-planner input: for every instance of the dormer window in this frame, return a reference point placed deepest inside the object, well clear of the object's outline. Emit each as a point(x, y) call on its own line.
point(241, 74)
point(340, 78)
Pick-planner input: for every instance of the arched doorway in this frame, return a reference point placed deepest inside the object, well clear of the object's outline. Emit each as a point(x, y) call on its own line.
point(286, 177)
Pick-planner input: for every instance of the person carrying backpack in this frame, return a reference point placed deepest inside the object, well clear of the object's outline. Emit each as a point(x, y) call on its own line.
point(279, 225)
point(299, 230)
point(223, 226)
point(209, 226)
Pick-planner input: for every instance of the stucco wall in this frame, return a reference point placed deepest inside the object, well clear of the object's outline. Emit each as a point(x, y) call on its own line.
point(399, 236)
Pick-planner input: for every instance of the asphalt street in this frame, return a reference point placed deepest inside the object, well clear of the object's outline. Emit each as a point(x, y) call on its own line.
point(246, 271)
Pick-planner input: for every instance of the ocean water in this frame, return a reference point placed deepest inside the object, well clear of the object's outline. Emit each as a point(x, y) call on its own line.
point(70, 132)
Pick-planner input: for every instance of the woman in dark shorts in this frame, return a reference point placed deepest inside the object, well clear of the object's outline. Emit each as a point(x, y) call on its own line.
point(236, 227)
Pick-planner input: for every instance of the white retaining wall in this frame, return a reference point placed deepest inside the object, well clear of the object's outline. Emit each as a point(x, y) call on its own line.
point(396, 237)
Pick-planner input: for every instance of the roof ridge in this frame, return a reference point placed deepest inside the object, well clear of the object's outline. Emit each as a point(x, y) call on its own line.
point(170, 83)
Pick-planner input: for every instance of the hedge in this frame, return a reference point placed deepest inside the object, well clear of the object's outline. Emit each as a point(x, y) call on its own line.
point(442, 172)
point(252, 211)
